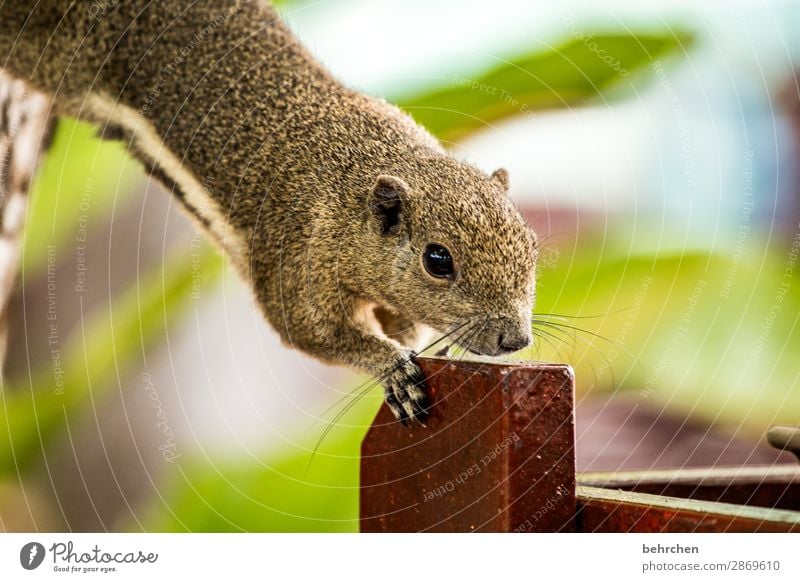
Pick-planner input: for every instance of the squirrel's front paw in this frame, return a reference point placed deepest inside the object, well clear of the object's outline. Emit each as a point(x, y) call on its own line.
point(404, 388)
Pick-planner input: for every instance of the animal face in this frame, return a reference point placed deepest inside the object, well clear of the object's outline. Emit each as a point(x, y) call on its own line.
point(464, 259)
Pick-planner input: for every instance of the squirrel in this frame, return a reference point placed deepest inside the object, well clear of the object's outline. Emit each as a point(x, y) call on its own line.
point(360, 236)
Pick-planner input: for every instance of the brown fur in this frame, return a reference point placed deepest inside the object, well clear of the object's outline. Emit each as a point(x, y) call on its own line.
point(296, 160)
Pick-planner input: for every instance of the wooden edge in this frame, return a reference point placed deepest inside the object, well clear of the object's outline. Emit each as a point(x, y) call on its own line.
point(587, 495)
point(501, 363)
point(785, 473)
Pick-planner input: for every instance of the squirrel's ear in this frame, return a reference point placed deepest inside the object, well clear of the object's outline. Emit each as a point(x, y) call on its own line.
point(387, 203)
point(500, 175)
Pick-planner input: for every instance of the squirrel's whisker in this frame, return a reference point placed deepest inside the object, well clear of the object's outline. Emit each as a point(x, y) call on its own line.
point(562, 326)
point(459, 341)
point(370, 384)
point(543, 335)
point(562, 316)
point(473, 336)
point(362, 391)
point(565, 338)
point(573, 337)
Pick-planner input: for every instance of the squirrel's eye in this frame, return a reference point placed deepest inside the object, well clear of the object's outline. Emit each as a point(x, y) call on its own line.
point(438, 261)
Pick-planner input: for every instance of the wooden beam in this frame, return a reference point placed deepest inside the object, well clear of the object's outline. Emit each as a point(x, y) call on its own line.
point(609, 510)
point(774, 486)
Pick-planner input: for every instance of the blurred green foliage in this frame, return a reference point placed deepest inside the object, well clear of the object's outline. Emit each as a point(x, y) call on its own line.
point(37, 410)
point(293, 490)
point(564, 76)
point(78, 164)
point(690, 332)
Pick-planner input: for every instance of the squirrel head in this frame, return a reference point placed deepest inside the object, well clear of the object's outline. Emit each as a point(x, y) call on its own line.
point(450, 250)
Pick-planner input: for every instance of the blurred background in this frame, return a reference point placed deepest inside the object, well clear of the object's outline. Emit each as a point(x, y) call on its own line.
point(655, 148)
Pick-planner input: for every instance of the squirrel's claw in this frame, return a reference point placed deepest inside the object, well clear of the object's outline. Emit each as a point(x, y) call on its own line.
point(398, 411)
point(405, 392)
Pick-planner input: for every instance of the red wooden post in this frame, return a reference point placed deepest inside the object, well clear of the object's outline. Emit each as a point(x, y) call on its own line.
point(497, 454)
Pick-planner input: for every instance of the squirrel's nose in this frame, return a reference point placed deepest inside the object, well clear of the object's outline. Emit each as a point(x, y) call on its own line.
point(513, 344)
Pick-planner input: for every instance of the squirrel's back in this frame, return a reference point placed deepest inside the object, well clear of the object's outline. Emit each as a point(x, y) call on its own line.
point(225, 85)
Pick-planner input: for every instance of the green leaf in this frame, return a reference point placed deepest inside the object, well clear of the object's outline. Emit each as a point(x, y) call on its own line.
point(567, 75)
point(97, 355)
